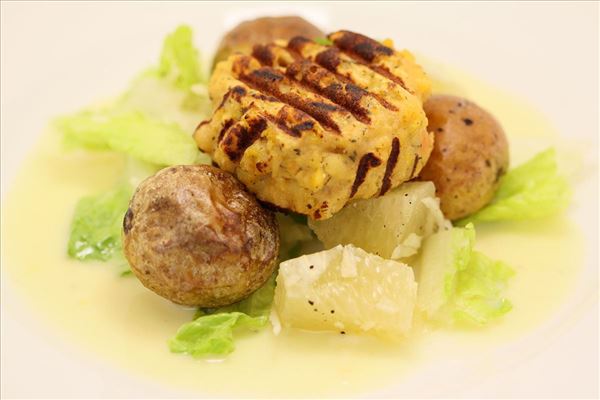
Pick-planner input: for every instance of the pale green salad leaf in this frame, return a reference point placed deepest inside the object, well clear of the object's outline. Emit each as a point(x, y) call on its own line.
point(152, 121)
point(323, 41)
point(479, 291)
point(179, 61)
point(132, 133)
point(211, 333)
point(96, 225)
point(443, 255)
point(534, 189)
point(458, 284)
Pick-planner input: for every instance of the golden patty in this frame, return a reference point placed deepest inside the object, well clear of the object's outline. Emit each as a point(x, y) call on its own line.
point(308, 127)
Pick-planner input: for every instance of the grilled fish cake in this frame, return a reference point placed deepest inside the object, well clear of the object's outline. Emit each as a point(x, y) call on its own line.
point(309, 128)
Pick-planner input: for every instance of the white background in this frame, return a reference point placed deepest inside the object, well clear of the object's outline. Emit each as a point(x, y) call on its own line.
point(57, 57)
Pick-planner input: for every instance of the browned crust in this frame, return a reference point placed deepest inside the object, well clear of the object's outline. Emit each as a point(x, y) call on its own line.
point(364, 50)
point(267, 80)
point(386, 182)
point(366, 162)
point(239, 137)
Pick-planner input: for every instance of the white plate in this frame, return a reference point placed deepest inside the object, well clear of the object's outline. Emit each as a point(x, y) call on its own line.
point(57, 57)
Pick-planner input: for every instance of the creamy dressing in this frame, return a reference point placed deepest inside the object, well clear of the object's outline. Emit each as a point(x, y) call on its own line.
point(122, 321)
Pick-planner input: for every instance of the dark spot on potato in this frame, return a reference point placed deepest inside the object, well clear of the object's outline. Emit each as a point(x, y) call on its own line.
point(468, 121)
point(488, 163)
point(499, 174)
point(128, 221)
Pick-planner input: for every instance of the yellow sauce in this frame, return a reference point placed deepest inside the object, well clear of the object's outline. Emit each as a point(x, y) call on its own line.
point(92, 306)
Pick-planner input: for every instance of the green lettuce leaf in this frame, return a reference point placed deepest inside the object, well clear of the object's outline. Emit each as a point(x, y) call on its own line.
point(479, 292)
point(132, 133)
point(211, 333)
point(443, 255)
point(458, 284)
point(179, 61)
point(295, 237)
point(323, 41)
point(162, 101)
point(532, 190)
point(154, 119)
point(96, 225)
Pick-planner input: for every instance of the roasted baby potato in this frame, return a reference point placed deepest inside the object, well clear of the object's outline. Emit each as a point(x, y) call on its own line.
point(264, 30)
point(195, 236)
point(469, 156)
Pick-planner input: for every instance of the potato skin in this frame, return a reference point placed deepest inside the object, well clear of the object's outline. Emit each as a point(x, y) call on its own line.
point(195, 236)
point(469, 156)
point(263, 30)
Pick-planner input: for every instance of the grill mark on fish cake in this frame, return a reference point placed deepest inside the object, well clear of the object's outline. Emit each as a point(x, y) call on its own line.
point(266, 80)
point(364, 47)
point(386, 182)
point(312, 77)
point(300, 121)
point(330, 60)
point(366, 162)
point(289, 119)
point(268, 55)
point(226, 125)
point(297, 43)
point(364, 50)
point(238, 138)
point(263, 54)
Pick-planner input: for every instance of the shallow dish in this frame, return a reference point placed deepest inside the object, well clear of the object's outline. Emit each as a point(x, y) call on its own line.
point(82, 61)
